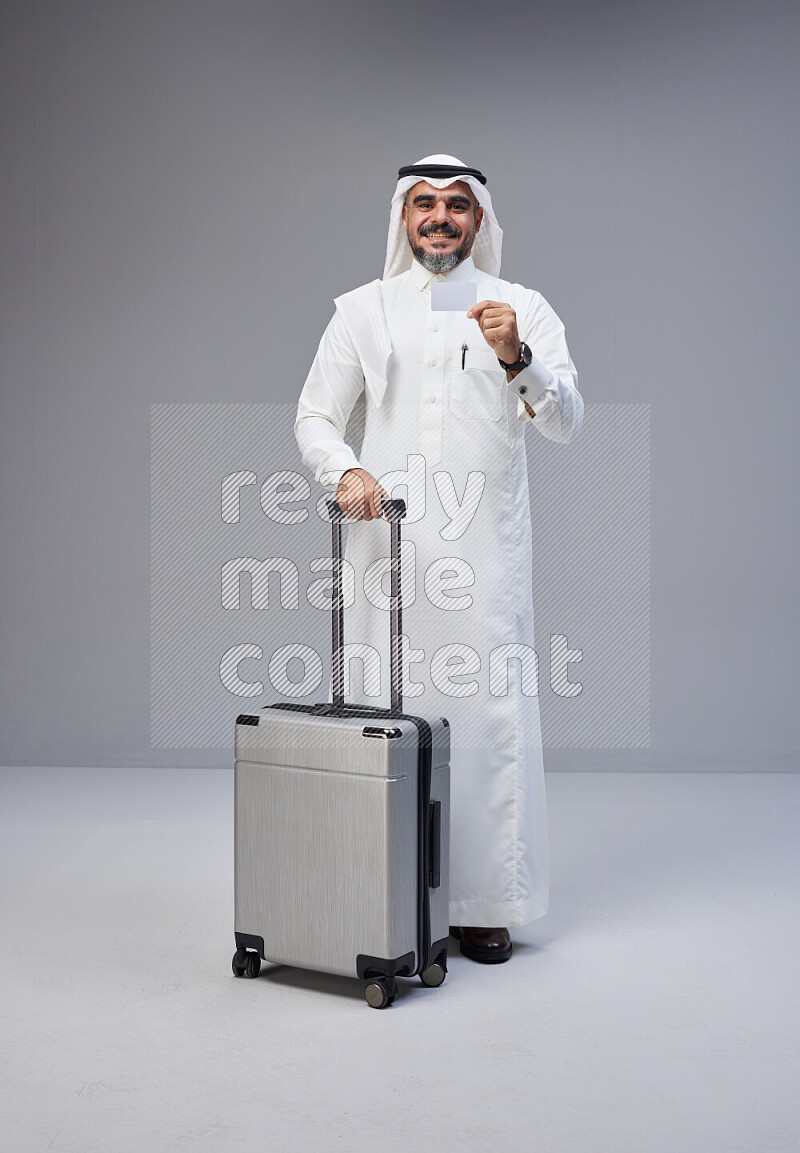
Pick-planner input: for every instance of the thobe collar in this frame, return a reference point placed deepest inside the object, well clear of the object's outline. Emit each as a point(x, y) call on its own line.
point(421, 278)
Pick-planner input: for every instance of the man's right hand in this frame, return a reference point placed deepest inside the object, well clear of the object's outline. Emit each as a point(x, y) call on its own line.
point(359, 495)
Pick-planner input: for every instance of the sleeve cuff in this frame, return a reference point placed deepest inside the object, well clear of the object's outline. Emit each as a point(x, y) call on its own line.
point(538, 380)
point(331, 479)
point(334, 466)
point(522, 412)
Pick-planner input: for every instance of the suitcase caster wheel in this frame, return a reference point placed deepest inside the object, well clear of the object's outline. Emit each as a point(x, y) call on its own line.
point(377, 995)
point(253, 966)
point(239, 962)
point(433, 975)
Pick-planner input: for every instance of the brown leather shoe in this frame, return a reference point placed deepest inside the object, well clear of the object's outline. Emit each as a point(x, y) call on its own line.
point(488, 946)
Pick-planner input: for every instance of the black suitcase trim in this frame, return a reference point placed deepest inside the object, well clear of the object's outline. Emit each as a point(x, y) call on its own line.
point(385, 967)
point(249, 941)
point(424, 951)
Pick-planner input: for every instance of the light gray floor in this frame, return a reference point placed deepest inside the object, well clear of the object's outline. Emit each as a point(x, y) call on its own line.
point(654, 1010)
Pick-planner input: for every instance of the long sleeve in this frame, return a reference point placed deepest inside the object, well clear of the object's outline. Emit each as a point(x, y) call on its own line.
point(333, 386)
point(556, 401)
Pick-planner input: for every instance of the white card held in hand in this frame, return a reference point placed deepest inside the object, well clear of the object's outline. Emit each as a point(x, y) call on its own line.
point(453, 297)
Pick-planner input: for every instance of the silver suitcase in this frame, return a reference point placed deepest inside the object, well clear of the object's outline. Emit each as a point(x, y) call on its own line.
point(342, 816)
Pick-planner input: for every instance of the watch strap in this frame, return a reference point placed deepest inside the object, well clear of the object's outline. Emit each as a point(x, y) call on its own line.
point(524, 360)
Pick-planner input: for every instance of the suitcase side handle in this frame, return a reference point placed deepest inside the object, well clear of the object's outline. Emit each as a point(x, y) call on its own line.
point(434, 844)
point(395, 510)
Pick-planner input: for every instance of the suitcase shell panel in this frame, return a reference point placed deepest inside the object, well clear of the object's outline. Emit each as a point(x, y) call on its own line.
point(326, 837)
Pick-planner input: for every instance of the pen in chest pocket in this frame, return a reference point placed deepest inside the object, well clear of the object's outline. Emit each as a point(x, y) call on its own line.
point(464, 351)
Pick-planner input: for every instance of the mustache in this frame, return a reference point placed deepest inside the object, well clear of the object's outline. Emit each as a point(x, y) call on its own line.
point(445, 229)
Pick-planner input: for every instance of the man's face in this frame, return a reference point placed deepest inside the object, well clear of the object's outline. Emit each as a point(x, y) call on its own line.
point(441, 224)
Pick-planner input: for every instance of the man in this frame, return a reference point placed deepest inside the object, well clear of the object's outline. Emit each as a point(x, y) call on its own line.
point(437, 401)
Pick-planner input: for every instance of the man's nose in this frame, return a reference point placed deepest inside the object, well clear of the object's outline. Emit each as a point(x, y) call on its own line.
point(441, 214)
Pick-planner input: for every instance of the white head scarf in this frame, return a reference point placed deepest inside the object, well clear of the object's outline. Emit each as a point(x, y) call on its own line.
point(486, 250)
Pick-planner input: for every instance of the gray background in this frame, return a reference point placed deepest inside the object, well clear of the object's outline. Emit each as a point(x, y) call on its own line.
point(186, 186)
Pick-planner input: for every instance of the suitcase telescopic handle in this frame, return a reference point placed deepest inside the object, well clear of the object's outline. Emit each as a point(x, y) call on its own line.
point(394, 511)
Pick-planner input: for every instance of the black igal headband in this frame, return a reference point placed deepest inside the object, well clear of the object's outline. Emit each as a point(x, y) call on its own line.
point(440, 171)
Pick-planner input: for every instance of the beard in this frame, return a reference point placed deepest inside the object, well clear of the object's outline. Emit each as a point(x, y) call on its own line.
point(444, 261)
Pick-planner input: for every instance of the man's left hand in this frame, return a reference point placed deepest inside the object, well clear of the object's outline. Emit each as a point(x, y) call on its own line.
point(498, 323)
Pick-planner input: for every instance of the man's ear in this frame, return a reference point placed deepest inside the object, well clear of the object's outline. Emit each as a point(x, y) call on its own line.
point(404, 217)
point(478, 218)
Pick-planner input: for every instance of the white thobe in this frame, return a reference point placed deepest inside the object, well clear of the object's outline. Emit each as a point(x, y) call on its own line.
point(443, 430)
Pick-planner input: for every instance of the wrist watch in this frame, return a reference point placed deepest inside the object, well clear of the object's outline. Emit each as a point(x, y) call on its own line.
point(525, 357)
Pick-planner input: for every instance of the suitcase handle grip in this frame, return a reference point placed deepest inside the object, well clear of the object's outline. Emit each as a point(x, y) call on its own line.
point(394, 510)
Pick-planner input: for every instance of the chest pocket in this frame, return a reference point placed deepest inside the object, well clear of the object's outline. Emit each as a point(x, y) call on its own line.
point(477, 391)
